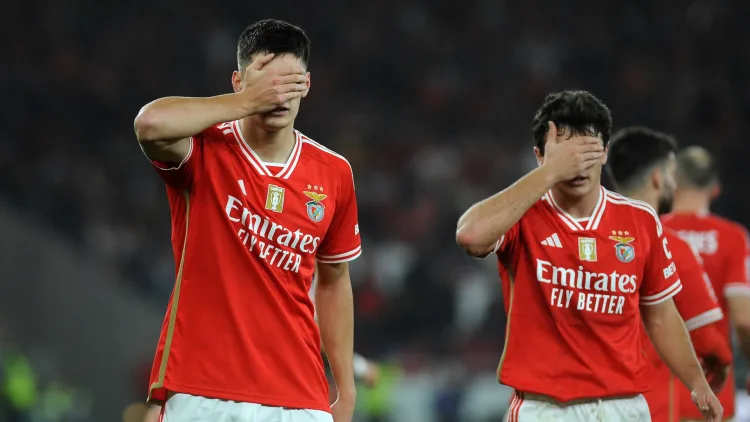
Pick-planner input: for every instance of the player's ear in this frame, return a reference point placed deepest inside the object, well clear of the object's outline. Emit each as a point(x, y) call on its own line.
point(307, 82)
point(539, 156)
point(236, 81)
point(715, 191)
point(656, 179)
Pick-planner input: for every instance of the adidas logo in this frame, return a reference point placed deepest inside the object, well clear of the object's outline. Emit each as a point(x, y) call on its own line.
point(552, 241)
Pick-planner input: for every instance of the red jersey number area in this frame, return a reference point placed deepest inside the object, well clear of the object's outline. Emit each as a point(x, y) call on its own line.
point(573, 290)
point(724, 250)
point(240, 324)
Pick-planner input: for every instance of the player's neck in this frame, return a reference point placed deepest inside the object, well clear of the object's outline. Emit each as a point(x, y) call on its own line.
point(271, 147)
point(691, 202)
point(643, 195)
point(578, 207)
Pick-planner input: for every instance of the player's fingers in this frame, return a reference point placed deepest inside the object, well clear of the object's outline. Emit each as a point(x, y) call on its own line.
point(592, 157)
point(259, 62)
point(290, 96)
point(283, 89)
point(292, 78)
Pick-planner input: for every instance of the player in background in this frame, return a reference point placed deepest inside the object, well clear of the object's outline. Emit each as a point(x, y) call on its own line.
point(256, 207)
point(641, 164)
point(723, 246)
point(582, 270)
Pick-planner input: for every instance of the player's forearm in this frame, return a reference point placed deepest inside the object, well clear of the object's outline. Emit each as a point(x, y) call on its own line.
point(482, 225)
point(335, 308)
point(174, 118)
point(667, 331)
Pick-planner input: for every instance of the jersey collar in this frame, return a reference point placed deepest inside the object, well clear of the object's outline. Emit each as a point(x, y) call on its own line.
point(258, 164)
point(591, 222)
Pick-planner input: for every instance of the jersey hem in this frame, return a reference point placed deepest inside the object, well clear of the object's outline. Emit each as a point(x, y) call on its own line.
point(247, 398)
point(737, 289)
point(706, 318)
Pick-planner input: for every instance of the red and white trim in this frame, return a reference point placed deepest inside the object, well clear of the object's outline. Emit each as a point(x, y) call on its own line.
point(161, 166)
point(737, 289)
point(662, 296)
point(258, 164)
point(575, 224)
point(515, 406)
point(342, 257)
point(499, 244)
point(618, 199)
point(309, 141)
point(704, 319)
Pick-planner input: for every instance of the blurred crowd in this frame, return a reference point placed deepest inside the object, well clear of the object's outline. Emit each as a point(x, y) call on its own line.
point(431, 102)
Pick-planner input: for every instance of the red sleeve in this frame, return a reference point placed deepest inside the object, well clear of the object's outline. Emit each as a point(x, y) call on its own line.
point(696, 302)
point(342, 242)
point(508, 241)
point(737, 264)
point(660, 278)
point(181, 176)
point(708, 342)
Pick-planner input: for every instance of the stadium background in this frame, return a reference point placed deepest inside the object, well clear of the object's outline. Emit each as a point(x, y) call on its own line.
point(431, 101)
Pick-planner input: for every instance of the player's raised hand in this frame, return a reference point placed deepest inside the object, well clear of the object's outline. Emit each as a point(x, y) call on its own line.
point(570, 157)
point(707, 403)
point(264, 88)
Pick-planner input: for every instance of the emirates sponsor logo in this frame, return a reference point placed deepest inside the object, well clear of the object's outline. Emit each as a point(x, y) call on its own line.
point(585, 290)
point(270, 241)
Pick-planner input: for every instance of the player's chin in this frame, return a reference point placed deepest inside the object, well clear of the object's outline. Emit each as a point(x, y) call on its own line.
point(578, 186)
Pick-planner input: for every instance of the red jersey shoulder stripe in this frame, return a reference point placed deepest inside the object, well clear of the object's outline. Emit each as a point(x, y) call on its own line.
point(616, 198)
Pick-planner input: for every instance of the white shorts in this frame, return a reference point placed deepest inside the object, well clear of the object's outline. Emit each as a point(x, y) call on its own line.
point(187, 408)
point(535, 408)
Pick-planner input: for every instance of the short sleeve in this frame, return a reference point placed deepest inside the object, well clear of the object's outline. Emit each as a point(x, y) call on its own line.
point(342, 242)
point(697, 301)
point(660, 278)
point(181, 176)
point(738, 264)
point(508, 241)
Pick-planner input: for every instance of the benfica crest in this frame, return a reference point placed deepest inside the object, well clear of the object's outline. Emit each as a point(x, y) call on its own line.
point(624, 251)
point(315, 209)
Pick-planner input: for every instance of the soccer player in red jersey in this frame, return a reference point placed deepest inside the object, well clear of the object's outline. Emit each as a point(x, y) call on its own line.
point(582, 270)
point(641, 163)
point(257, 208)
point(723, 246)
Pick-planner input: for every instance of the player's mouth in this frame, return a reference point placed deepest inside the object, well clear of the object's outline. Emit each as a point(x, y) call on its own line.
point(279, 111)
point(578, 181)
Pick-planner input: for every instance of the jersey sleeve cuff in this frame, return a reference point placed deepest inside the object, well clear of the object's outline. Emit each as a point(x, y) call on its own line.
point(499, 244)
point(662, 296)
point(708, 317)
point(737, 289)
point(167, 167)
point(342, 257)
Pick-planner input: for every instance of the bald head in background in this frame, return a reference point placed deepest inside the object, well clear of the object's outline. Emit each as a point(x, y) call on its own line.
point(696, 169)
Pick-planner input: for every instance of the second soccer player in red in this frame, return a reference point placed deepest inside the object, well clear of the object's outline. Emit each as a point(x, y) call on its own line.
point(257, 208)
point(582, 270)
point(641, 163)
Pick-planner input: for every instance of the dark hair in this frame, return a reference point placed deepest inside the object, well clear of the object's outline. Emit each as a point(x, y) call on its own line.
point(634, 151)
point(579, 111)
point(696, 168)
point(272, 36)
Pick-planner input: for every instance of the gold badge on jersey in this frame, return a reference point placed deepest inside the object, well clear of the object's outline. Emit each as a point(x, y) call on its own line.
point(624, 251)
point(275, 198)
point(587, 249)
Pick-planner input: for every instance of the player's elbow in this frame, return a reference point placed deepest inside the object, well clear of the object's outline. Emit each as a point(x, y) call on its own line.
point(472, 241)
point(146, 125)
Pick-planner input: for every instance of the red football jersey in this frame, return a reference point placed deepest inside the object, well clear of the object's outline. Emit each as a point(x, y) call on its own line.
point(572, 290)
point(698, 306)
point(240, 325)
point(723, 247)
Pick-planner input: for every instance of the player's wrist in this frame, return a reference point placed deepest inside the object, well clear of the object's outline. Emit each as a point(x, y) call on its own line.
point(549, 176)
